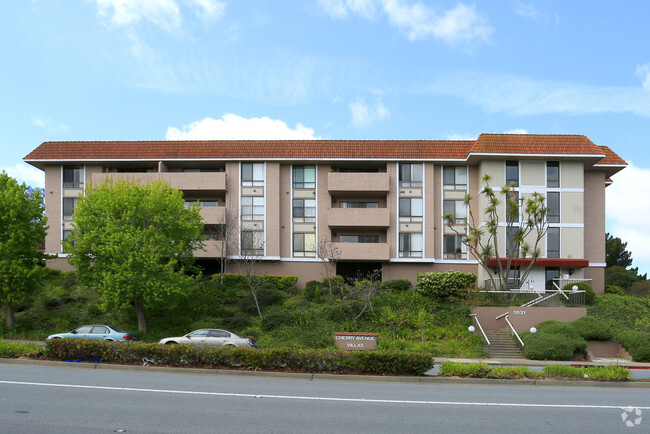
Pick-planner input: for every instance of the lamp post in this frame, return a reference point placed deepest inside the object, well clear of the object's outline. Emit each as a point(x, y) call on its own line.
point(533, 330)
point(471, 330)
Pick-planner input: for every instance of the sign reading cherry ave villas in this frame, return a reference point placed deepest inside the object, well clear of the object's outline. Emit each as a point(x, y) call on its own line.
point(356, 341)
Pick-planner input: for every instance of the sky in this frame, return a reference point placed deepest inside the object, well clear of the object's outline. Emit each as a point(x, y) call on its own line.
point(332, 69)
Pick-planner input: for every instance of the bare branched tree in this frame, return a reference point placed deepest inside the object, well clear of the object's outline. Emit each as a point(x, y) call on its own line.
point(228, 233)
point(249, 265)
point(329, 255)
point(357, 298)
point(526, 221)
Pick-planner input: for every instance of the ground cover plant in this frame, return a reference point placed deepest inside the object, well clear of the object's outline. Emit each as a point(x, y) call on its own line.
point(292, 317)
point(483, 370)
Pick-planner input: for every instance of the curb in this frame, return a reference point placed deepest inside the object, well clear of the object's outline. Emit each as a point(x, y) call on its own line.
point(330, 377)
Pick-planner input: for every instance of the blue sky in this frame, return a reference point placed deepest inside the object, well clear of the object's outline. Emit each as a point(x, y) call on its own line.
point(336, 69)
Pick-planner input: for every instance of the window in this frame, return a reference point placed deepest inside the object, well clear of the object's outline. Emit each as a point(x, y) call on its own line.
point(512, 206)
point(68, 207)
point(454, 178)
point(453, 247)
point(553, 202)
point(252, 208)
point(512, 234)
point(304, 210)
point(410, 175)
point(199, 333)
point(456, 208)
point(553, 174)
point(84, 330)
point(410, 245)
point(218, 334)
point(304, 176)
point(73, 177)
point(410, 209)
point(252, 174)
point(551, 273)
point(512, 173)
point(304, 245)
point(359, 239)
point(252, 243)
point(99, 330)
point(359, 205)
point(553, 243)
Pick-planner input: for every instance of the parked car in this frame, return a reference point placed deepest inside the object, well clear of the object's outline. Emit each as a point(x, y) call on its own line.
point(211, 337)
point(96, 331)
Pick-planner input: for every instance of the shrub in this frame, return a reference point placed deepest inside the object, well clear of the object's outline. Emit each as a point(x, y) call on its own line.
point(542, 346)
point(10, 350)
point(313, 291)
point(454, 369)
point(622, 313)
point(446, 285)
point(592, 329)
point(282, 283)
point(397, 285)
point(316, 361)
point(613, 289)
point(590, 295)
point(637, 344)
point(598, 373)
point(275, 318)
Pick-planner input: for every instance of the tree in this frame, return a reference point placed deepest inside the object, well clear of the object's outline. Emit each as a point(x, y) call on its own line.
point(329, 255)
point(616, 254)
point(249, 266)
point(227, 233)
point(22, 230)
point(134, 243)
point(356, 299)
point(526, 220)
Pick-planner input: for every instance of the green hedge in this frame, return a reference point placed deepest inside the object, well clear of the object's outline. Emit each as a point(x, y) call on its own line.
point(592, 329)
point(553, 341)
point(637, 344)
point(283, 359)
point(483, 370)
point(12, 350)
point(590, 294)
point(282, 283)
point(446, 285)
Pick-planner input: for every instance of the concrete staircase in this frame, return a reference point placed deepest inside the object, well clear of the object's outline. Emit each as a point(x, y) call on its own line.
point(501, 345)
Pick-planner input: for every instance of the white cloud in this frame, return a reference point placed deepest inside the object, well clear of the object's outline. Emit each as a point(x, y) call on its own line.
point(22, 172)
point(340, 8)
point(208, 9)
point(461, 25)
point(643, 71)
point(364, 114)
point(49, 124)
point(165, 14)
point(526, 10)
point(233, 127)
point(627, 206)
point(515, 95)
point(516, 131)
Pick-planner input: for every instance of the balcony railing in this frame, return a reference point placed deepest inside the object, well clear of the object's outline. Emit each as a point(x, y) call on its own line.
point(358, 217)
point(358, 182)
point(199, 181)
point(522, 297)
point(363, 251)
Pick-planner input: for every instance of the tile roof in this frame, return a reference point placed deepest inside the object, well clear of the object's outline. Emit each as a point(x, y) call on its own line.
point(515, 144)
point(254, 149)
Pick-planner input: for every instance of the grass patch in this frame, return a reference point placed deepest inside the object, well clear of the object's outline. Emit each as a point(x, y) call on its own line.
point(12, 350)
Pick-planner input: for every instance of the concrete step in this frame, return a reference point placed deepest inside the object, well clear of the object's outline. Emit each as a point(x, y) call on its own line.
point(501, 345)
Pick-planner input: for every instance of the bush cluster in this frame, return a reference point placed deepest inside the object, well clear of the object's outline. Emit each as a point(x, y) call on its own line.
point(444, 286)
point(283, 283)
point(11, 350)
point(281, 359)
point(637, 343)
point(483, 370)
point(553, 341)
point(590, 294)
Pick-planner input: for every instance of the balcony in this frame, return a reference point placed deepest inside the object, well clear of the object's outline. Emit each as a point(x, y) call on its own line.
point(213, 249)
point(359, 217)
point(213, 215)
point(363, 251)
point(198, 181)
point(358, 182)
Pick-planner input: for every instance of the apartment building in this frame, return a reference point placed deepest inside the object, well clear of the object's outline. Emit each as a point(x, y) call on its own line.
point(379, 204)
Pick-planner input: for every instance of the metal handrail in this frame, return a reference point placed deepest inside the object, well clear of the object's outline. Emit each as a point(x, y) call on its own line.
point(478, 323)
point(560, 291)
point(505, 316)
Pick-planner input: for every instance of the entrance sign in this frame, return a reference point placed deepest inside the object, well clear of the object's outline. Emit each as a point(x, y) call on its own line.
point(356, 341)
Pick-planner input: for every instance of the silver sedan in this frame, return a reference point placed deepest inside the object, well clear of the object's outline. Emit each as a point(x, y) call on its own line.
point(211, 337)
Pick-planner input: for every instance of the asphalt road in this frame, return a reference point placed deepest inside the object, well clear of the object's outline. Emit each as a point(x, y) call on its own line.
point(81, 399)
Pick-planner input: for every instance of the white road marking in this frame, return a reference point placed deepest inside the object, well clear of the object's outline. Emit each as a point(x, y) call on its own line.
point(322, 398)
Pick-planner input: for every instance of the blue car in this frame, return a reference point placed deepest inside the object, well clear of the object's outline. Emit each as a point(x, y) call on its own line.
point(95, 331)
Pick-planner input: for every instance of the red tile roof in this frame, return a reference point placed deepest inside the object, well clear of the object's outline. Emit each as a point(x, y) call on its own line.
point(515, 144)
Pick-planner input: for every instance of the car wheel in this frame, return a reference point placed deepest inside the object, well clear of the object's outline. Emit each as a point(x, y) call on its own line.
point(109, 340)
point(229, 346)
point(170, 343)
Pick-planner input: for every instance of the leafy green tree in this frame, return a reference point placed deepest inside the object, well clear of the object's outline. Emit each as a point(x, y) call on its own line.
point(616, 254)
point(22, 230)
point(619, 276)
point(526, 221)
point(134, 244)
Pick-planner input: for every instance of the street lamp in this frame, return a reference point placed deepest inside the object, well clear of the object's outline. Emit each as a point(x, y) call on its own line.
point(574, 288)
point(471, 330)
point(533, 330)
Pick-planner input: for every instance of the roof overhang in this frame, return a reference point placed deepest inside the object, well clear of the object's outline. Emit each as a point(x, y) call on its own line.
point(542, 262)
